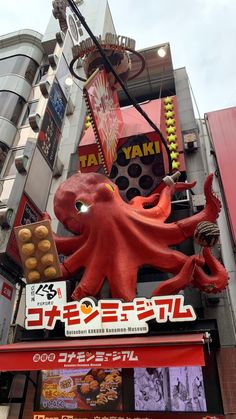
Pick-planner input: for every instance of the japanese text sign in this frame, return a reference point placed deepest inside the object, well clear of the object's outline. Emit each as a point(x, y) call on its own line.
point(102, 357)
point(46, 303)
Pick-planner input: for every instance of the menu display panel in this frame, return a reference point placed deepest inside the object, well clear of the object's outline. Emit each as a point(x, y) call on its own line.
point(81, 389)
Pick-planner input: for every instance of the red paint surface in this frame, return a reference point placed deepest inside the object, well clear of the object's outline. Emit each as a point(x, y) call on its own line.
point(222, 128)
point(134, 124)
point(158, 351)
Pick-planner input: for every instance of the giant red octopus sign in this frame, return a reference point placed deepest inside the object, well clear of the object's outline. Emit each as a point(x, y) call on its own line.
point(113, 238)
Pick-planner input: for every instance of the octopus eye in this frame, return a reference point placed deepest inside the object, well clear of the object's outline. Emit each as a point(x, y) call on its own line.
point(109, 186)
point(81, 207)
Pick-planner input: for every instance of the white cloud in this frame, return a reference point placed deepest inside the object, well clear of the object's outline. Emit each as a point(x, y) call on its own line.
point(24, 14)
point(202, 37)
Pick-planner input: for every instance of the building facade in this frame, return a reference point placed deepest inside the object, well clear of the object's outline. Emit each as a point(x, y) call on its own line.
point(43, 142)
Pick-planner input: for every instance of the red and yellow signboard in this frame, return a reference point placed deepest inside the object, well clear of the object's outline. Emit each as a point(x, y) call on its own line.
point(103, 104)
point(140, 163)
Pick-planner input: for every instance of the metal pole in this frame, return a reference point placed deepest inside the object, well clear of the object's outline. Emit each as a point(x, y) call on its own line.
point(24, 395)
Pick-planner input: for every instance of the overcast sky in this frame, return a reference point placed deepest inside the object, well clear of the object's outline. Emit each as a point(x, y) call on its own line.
point(201, 33)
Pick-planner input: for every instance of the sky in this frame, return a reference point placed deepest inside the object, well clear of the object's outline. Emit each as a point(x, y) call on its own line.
point(201, 34)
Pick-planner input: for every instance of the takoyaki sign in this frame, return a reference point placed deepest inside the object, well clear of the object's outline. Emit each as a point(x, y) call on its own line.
point(46, 303)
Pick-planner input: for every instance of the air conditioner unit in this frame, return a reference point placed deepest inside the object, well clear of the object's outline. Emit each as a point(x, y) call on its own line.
point(190, 141)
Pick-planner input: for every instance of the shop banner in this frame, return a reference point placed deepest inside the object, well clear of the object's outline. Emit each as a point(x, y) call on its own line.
point(7, 298)
point(57, 104)
point(48, 138)
point(123, 357)
point(128, 415)
point(46, 303)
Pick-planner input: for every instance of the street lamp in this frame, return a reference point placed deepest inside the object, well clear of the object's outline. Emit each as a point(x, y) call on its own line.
point(162, 51)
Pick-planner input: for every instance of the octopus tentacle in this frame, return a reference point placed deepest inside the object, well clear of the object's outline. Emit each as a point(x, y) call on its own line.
point(163, 208)
point(89, 284)
point(68, 245)
point(156, 207)
point(183, 229)
point(179, 186)
point(65, 245)
point(178, 282)
point(123, 284)
point(184, 186)
point(154, 199)
point(215, 282)
point(72, 265)
point(145, 201)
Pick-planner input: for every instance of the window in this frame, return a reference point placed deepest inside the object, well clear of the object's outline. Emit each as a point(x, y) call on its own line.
point(11, 106)
point(19, 64)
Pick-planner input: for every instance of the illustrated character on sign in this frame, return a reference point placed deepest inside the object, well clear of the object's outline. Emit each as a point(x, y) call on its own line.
point(113, 239)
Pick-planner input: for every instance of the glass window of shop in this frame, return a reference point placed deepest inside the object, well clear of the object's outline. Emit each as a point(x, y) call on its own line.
point(11, 106)
point(19, 64)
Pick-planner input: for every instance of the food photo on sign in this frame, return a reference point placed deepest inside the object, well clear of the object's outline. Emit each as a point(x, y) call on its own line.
point(83, 389)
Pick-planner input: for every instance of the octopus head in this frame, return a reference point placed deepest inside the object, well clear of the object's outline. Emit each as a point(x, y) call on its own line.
point(77, 199)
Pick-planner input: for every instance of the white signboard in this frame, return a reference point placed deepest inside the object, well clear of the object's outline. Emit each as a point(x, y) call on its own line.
point(46, 303)
point(7, 297)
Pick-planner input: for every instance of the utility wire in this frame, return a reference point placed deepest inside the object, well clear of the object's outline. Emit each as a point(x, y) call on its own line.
point(111, 69)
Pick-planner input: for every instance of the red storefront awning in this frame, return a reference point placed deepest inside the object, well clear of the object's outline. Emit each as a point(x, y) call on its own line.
point(132, 352)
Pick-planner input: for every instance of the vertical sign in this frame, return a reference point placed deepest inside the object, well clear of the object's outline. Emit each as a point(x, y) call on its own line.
point(50, 133)
point(103, 104)
point(48, 138)
point(57, 104)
